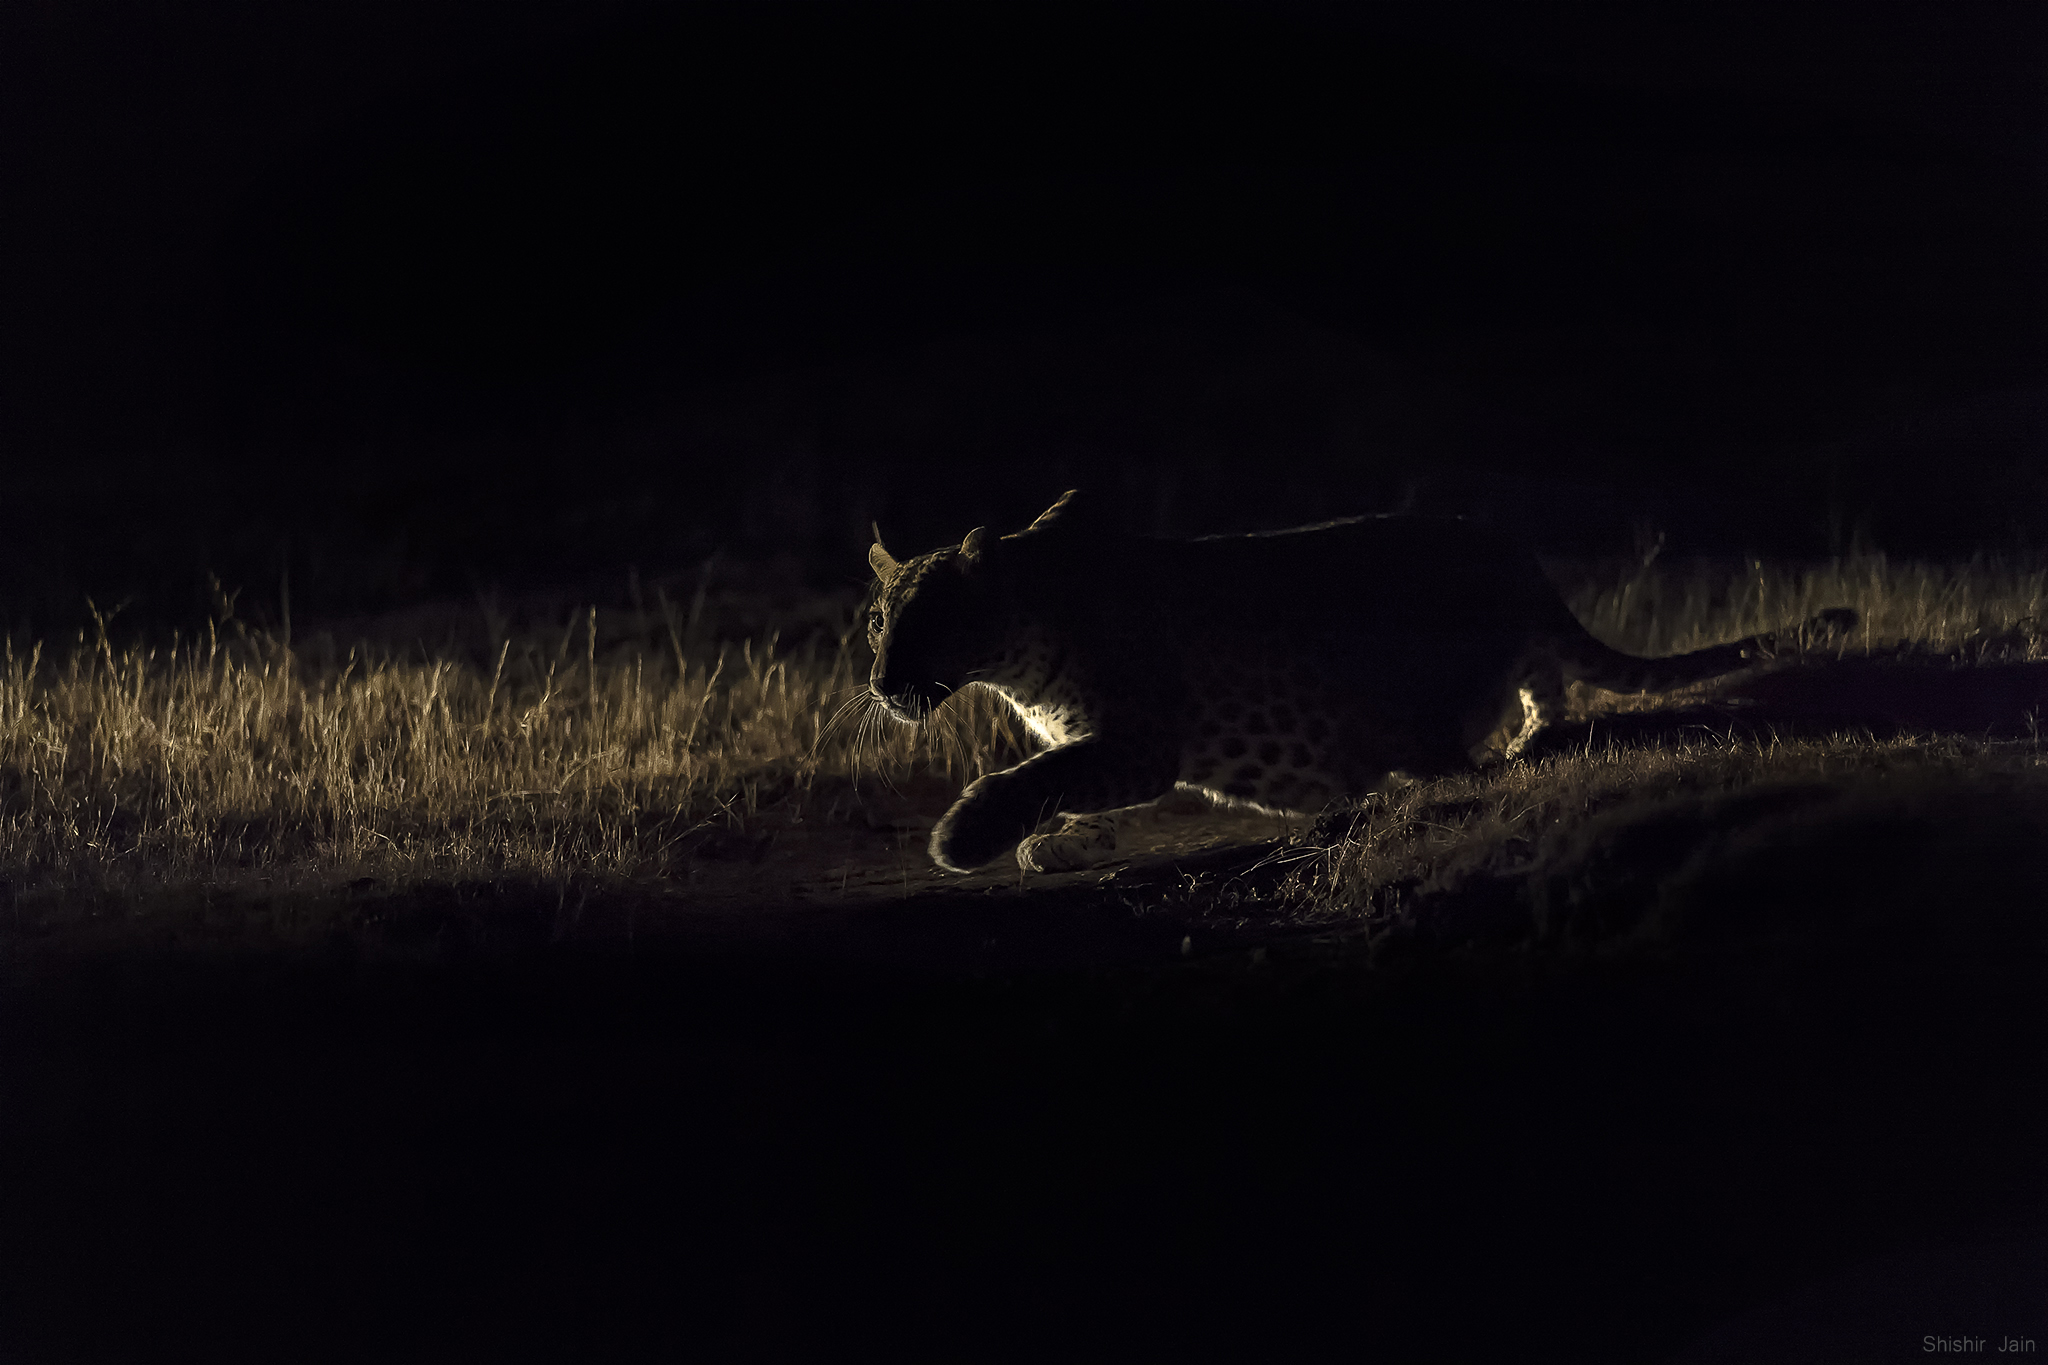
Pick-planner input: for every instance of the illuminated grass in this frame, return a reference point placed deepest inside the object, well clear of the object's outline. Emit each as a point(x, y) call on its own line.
point(1656, 611)
point(600, 748)
point(235, 759)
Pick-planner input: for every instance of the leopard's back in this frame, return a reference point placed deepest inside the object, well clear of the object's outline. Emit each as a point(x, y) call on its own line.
point(1318, 662)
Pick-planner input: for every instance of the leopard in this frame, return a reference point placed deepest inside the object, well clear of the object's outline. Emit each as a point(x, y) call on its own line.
point(1287, 672)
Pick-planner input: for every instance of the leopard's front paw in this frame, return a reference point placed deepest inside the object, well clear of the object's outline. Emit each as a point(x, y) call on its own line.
point(972, 835)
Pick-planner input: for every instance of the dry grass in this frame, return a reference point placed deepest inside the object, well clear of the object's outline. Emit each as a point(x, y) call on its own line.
point(599, 747)
point(233, 759)
point(1649, 609)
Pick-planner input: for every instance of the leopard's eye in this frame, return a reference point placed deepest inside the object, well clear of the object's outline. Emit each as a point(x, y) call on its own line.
point(875, 620)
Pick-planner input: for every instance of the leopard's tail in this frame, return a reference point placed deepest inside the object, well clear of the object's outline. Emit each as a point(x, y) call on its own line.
point(1587, 660)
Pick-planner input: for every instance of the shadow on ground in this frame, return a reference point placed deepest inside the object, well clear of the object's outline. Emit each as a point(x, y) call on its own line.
point(1726, 1107)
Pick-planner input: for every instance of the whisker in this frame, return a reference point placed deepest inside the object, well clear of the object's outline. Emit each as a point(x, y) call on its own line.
point(829, 726)
point(862, 734)
point(874, 723)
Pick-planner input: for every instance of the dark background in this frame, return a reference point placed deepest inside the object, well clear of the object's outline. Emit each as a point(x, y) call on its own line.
point(414, 299)
point(408, 298)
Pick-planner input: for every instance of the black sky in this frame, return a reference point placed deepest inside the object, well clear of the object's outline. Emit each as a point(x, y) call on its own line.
point(235, 236)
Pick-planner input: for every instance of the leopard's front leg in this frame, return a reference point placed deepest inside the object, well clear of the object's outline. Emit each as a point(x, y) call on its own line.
point(997, 811)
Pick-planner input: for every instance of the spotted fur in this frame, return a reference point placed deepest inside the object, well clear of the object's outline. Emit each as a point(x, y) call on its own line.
point(1283, 671)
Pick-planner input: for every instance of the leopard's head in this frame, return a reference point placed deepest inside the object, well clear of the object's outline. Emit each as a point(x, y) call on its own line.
point(933, 622)
point(942, 620)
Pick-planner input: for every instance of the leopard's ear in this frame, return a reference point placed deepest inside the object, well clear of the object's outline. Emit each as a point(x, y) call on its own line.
point(970, 548)
point(1061, 511)
point(879, 559)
